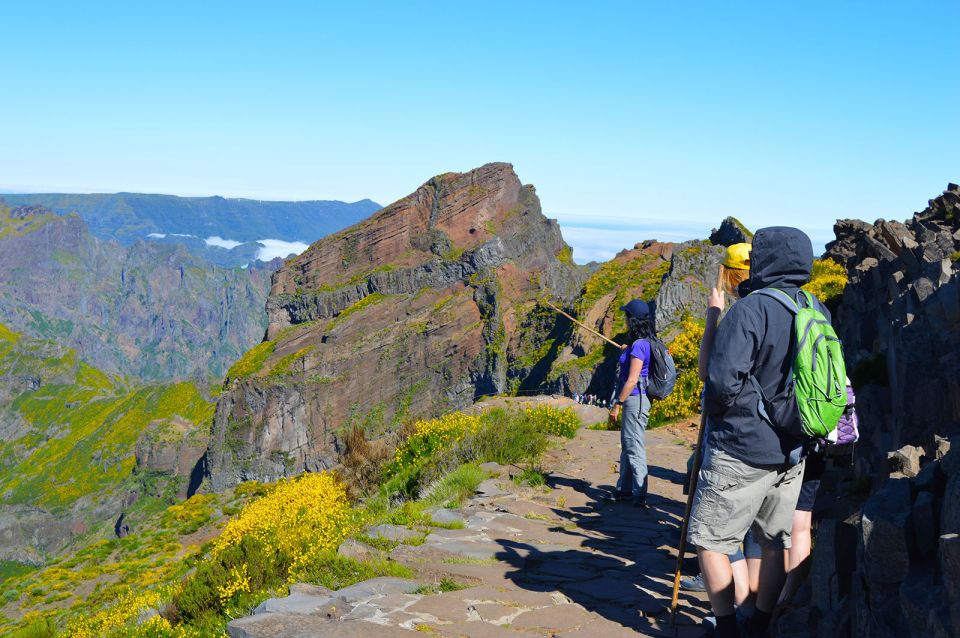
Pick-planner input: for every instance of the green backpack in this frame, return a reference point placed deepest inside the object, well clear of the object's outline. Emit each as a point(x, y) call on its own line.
point(818, 371)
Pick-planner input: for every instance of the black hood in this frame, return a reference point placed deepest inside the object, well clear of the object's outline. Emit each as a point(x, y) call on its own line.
point(782, 257)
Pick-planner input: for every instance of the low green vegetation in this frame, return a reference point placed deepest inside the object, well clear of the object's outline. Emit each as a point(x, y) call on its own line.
point(366, 302)
point(16, 227)
point(80, 426)
point(289, 363)
point(252, 361)
point(641, 275)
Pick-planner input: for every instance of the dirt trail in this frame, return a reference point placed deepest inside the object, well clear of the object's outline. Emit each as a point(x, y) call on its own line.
point(549, 561)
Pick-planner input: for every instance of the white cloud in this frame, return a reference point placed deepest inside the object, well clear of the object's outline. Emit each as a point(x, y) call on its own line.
point(229, 244)
point(600, 243)
point(278, 248)
point(601, 239)
point(156, 236)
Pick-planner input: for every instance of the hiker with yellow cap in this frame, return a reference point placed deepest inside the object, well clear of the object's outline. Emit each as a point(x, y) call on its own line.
point(734, 271)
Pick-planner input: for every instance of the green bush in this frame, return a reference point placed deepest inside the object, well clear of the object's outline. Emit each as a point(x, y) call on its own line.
point(40, 629)
point(453, 488)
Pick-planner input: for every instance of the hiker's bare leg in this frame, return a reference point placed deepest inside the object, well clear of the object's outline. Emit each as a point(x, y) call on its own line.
point(753, 570)
point(772, 575)
point(741, 582)
point(718, 579)
point(798, 556)
point(801, 543)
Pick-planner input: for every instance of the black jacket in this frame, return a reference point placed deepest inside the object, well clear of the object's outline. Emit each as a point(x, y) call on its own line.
point(754, 339)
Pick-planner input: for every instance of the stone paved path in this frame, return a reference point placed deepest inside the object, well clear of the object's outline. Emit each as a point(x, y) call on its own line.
point(550, 561)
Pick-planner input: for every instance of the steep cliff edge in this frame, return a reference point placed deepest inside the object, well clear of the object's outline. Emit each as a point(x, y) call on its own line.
point(418, 310)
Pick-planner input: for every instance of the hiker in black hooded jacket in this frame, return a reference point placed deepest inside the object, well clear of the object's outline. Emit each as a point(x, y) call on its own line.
point(751, 473)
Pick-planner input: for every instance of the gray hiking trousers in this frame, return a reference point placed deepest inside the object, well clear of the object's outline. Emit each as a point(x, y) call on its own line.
point(633, 451)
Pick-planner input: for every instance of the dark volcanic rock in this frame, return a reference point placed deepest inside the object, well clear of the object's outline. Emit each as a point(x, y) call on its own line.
point(731, 232)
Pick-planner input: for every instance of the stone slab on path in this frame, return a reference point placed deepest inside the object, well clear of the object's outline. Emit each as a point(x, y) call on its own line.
point(535, 561)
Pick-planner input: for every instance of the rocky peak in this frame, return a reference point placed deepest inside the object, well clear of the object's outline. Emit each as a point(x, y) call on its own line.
point(449, 229)
point(731, 231)
point(421, 308)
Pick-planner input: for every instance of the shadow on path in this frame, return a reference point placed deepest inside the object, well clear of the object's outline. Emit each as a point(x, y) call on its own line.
point(623, 569)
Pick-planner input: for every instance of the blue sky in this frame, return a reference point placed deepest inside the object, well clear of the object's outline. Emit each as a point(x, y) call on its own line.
point(633, 119)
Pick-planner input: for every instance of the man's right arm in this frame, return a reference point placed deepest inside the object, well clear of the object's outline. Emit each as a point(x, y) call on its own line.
point(732, 357)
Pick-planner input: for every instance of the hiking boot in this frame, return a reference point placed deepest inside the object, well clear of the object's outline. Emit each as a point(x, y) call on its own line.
point(616, 497)
point(693, 583)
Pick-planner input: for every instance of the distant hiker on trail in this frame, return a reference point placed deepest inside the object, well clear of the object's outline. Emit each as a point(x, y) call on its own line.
point(751, 473)
point(734, 271)
point(632, 406)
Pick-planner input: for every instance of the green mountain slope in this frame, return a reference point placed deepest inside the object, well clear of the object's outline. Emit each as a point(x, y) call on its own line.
point(69, 437)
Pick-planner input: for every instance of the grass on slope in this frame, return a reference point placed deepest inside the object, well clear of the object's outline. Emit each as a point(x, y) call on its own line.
point(83, 436)
point(16, 227)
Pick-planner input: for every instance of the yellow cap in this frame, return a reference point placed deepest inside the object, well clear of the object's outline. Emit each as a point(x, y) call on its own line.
point(737, 257)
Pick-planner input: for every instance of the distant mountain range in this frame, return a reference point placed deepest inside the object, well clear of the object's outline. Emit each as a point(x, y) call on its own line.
point(234, 225)
point(149, 310)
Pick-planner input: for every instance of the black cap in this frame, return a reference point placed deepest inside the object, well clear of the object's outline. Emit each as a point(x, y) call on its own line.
point(636, 308)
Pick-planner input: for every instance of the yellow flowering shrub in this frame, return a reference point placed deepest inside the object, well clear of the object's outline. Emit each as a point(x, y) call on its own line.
point(827, 280)
point(552, 420)
point(685, 398)
point(300, 517)
point(429, 436)
point(238, 584)
point(120, 620)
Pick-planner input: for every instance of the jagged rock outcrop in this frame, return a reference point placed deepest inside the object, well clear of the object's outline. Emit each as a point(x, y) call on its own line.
point(731, 231)
point(892, 568)
point(694, 269)
point(418, 310)
point(900, 324)
point(151, 311)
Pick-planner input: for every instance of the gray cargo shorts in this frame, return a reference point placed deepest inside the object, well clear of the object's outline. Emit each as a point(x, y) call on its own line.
point(733, 497)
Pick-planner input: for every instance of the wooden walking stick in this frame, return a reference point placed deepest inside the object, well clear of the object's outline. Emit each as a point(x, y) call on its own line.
point(587, 328)
point(697, 458)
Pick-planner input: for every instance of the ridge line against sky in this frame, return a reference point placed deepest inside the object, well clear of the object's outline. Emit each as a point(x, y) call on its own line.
point(617, 111)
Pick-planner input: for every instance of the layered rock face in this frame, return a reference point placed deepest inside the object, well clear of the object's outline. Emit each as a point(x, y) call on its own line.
point(152, 311)
point(892, 568)
point(418, 310)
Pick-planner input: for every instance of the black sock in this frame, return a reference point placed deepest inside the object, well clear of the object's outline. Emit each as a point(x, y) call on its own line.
point(759, 622)
point(727, 627)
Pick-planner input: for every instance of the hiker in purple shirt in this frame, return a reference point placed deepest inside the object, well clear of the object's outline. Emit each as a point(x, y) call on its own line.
point(631, 406)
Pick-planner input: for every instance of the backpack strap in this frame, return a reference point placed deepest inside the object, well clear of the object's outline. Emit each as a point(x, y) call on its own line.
point(783, 298)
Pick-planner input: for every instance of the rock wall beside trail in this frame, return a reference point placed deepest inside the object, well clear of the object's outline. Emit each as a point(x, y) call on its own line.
point(892, 567)
point(900, 325)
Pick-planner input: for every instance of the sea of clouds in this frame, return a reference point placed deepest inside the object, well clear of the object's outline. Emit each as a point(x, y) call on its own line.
point(601, 240)
point(269, 248)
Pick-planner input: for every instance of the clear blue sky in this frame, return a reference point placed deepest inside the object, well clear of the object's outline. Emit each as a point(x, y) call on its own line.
point(631, 116)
